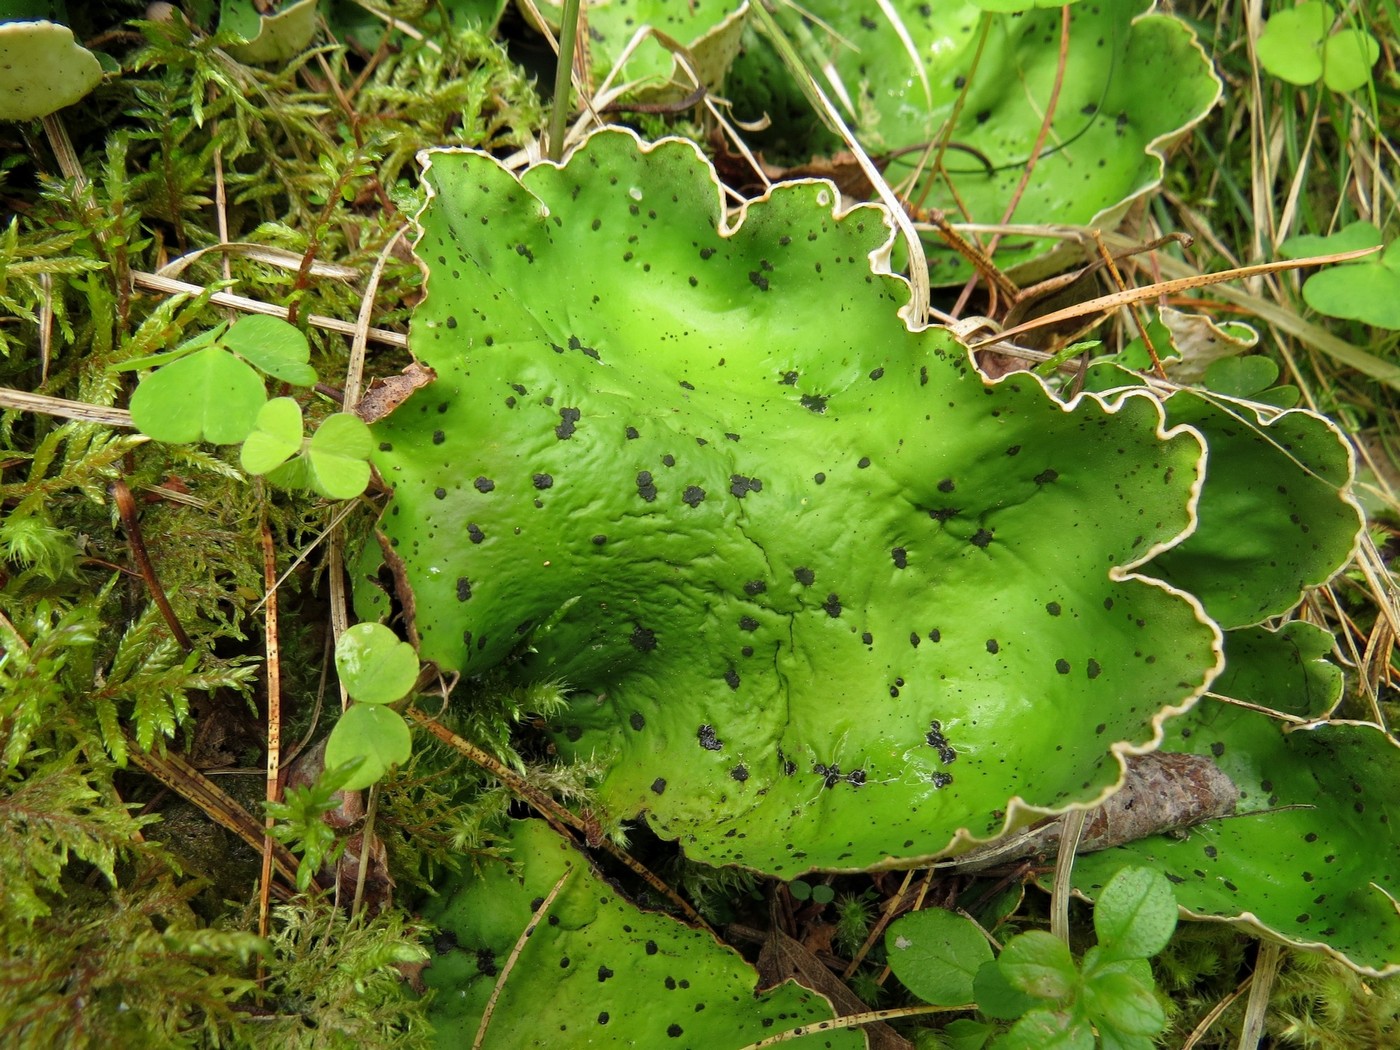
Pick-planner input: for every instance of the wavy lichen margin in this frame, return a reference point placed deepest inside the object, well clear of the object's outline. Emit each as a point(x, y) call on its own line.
point(826, 597)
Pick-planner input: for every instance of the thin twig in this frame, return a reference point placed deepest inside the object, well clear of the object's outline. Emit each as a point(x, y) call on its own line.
point(274, 713)
point(509, 965)
point(1071, 831)
point(126, 510)
point(855, 1021)
point(1266, 965)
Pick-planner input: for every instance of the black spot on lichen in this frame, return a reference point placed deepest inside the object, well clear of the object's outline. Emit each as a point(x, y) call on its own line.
point(1062, 666)
point(693, 496)
point(1093, 669)
point(574, 733)
point(484, 484)
point(439, 437)
point(643, 639)
point(992, 646)
point(739, 773)
point(877, 373)
point(981, 538)
point(1045, 477)
point(863, 462)
point(658, 785)
point(804, 576)
point(524, 251)
point(675, 1031)
point(486, 962)
point(758, 280)
point(568, 417)
point(602, 1017)
point(867, 638)
point(740, 486)
point(645, 487)
point(819, 478)
point(940, 780)
point(1053, 608)
point(754, 587)
point(832, 605)
point(631, 434)
point(706, 735)
point(855, 777)
point(542, 481)
point(788, 379)
point(816, 402)
point(946, 485)
point(900, 556)
point(668, 460)
point(731, 678)
point(651, 948)
point(474, 532)
point(599, 540)
point(440, 492)
point(748, 623)
point(603, 974)
point(464, 588)
point(637, 721)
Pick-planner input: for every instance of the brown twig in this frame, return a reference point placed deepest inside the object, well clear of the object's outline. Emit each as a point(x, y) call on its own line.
point(126, 509)
point(551, 809)
point(274, 713)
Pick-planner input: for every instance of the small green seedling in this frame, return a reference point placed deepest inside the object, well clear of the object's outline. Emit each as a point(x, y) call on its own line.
point(376, 669)
point(209, 389)
point(1367, 290)
point(1036, 982)
point(1298, 45)
point(802, 890)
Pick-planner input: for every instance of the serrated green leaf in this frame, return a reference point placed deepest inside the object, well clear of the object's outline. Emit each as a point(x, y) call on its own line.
point(936, 954)
point(274, 346)
point(1135, 914)
point(1039, 964)
point(208, 396)
point(275, 438)
point(374, 665)
point(338, 456)
point(378, 735)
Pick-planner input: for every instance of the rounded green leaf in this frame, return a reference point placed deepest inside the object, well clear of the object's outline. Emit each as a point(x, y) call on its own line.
point(1351, 237)
point(374, 665)
point(1135, 914)
point(1240, 376)
point(1049, 1030)
point(208, 396)
point(1039, 964)
point(936, 954)
point(274, 346)
point(379, 735)
point(997, 997)
point(42, 69)
point(338, 456)
point(269, 37)
point(275, 438)
point(1290, 46)
point(1368, 291)
point(1347, 58)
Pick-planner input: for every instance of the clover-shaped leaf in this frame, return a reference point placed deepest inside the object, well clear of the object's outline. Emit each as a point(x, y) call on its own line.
point(208, 395)
point(374, 665)
point(273, 346)
point(1367, 290)
point(1298, 45)
point(594, 970)
point(377, 735)
point(276, 436)
point(335, 462)
point(814, 583)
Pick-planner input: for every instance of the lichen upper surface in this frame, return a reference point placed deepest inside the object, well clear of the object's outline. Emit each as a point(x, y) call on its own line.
point(823, 596)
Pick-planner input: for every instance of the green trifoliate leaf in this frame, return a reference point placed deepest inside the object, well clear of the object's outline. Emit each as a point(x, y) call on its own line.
point(276, 436)
point(378, 735)
point(274, 346)
point(208, 396)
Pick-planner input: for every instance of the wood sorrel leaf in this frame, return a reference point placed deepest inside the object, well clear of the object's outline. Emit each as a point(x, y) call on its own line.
point(378, 735)
point(208, 396)
point(274, 346)
point(824, 596)
point(374, 665)
point(276, 436)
